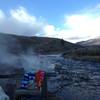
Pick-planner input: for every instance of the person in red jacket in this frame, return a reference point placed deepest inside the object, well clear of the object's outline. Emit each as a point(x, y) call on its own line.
point(39, 78)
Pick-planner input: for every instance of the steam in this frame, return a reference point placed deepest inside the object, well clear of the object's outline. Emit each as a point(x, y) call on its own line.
point(35, 62)
point(29, 60)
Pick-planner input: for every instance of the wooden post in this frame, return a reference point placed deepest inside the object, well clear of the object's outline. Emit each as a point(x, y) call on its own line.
point(44, 88)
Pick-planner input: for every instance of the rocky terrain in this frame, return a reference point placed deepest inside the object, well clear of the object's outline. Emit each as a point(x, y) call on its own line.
point(76, 80)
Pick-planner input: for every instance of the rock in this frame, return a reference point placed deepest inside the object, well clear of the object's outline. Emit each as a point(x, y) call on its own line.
point(58, 67)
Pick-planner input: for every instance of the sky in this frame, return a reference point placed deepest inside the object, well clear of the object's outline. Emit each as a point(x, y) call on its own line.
point(71, 20)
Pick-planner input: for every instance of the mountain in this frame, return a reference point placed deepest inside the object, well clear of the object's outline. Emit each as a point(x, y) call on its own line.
point(91, 42)
point(21, 44)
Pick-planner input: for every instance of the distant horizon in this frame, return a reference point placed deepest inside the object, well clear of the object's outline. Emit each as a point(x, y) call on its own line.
point(73, 20)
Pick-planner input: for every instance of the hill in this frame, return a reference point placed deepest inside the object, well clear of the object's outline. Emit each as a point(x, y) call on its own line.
point(21, 44)
point(91, 42)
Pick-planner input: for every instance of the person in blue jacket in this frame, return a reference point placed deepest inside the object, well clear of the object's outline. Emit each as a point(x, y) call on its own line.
point(26, 80)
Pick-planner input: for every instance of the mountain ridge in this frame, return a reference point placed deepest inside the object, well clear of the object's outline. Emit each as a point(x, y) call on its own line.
point(21, 44)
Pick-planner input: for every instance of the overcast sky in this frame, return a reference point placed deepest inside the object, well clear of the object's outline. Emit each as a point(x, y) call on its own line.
point(72, 20)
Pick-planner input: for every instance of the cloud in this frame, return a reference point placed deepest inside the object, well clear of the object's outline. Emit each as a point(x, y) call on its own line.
point(79, 26)
point(84, 25)
point(20, 22)
point(50, 31)
point(21, 15)
point(2, 15)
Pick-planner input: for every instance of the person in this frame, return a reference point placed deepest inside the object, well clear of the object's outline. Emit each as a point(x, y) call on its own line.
point(28, 78)
point(39, 78)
